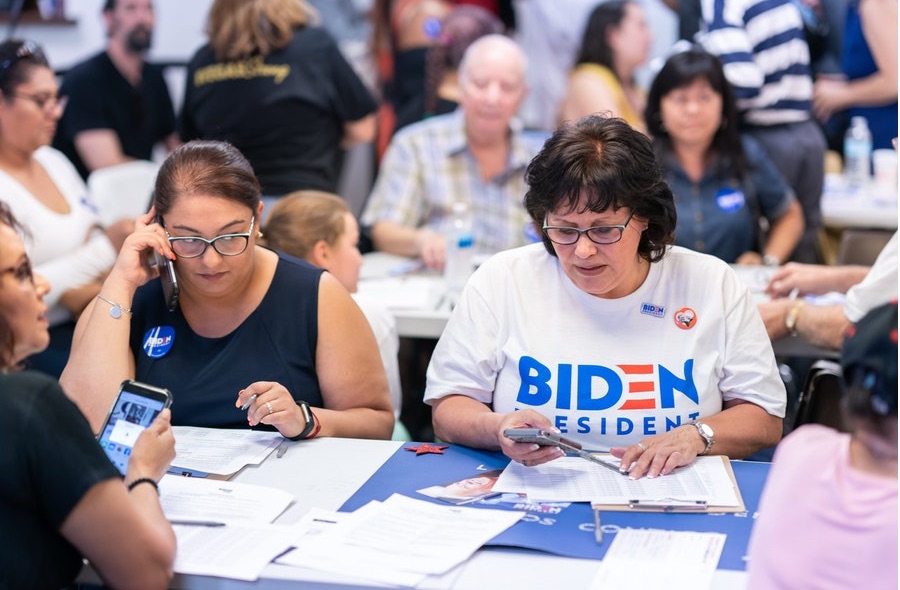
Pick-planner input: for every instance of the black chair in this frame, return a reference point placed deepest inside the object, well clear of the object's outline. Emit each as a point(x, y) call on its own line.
point(820, 399)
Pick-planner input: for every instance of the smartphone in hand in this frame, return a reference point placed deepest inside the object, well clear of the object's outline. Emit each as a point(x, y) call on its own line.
point(544, 438)
point(168, 280)
point(136, 406)
point(548, 438)
point(167, 277)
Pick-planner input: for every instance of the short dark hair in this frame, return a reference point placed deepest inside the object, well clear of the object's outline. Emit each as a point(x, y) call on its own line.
point(206, 167)
point(7, 340)
point(109, 5)
point(595, 47)
point(606, 162)
point(18, 57)
point(683, 69)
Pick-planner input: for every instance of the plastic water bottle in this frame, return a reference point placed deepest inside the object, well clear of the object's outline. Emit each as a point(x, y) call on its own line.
point(458, 251)
point(857, 152)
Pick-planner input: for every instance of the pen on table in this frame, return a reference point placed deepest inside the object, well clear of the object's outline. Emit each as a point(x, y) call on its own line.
point(248, 402)
point(282, 449)
point(209, 523)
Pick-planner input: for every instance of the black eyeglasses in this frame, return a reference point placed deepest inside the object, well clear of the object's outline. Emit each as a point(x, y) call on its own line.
point(226, 244)
point(599, 234)
point(25, 49)
point(45, 102)
point(22, 272)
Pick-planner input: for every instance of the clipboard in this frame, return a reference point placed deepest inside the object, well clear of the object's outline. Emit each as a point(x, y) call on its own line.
point(676, 506)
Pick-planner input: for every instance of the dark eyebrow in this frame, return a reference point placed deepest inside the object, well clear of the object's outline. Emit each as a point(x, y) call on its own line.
point(197, 232)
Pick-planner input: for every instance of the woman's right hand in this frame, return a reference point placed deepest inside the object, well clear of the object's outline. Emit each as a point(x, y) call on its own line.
point(133, 262)
point(153, 451)
point(528, 454)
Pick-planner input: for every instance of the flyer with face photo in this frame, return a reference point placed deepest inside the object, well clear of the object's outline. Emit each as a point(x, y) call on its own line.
point(465, 491)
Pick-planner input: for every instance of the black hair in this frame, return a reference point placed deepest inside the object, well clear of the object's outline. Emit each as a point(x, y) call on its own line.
point(681, 70)
point(7, 339)
point(209, 168)
point(608, 164)
point(18, 58)
point(595, 47)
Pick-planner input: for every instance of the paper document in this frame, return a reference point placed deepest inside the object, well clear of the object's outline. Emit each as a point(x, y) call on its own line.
point(237, 552)
point(572, 479)
point(409, 292)
point(213, 501)
point(402, 539)
point(219, 450)
point(647, 558)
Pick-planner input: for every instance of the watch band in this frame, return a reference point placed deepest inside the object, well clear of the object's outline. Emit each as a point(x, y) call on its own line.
point(706, 433)
point(312, 426)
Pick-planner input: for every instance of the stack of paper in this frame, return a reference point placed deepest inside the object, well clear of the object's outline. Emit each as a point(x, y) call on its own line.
point(221, 451)
point(572, 479)
point(400, 541)
point(223, 528)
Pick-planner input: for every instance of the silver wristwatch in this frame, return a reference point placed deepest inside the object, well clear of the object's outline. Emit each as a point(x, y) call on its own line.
point(707, 433)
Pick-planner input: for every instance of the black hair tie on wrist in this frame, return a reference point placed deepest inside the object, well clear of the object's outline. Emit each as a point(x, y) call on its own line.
point(138, 482)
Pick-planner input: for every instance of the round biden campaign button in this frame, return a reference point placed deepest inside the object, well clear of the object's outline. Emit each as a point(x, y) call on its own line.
point(158, 341)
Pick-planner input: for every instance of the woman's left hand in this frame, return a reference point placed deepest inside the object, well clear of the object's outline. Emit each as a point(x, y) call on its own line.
point(273, 405)
point(660, 454)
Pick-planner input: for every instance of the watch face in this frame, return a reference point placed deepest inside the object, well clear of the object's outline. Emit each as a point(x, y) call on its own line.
point(706, 430)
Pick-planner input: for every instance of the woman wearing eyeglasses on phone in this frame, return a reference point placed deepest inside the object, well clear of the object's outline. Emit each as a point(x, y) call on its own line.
point(46, 194)
point(60, 497)
point(605, 331)
point(255, 338)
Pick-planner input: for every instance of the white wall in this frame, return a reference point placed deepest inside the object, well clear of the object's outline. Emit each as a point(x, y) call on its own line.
point(179, 31)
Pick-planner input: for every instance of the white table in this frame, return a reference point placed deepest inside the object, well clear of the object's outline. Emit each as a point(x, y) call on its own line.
point(416, 297)
point(866, 207)
point(325, 472)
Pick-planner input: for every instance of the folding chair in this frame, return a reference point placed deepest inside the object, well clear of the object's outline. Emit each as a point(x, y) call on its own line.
point(820, 399)
point(124, 190)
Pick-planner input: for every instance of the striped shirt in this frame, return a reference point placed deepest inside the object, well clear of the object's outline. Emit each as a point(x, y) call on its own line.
point(428, 166)
point(766, 58)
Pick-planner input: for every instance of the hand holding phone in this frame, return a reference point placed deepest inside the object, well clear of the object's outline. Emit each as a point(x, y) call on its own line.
point(167, 277)
point(548, 438)
point(135, 408)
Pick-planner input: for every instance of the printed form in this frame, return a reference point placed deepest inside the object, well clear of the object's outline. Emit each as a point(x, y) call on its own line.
point(572, 479)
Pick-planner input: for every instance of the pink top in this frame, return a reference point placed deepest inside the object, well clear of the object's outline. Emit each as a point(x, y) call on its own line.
point(822, 523)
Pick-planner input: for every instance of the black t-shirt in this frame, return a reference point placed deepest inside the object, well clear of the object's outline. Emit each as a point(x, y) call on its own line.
point(285, 112)
point(101, 98)
point(277, 342)
point(49, 460)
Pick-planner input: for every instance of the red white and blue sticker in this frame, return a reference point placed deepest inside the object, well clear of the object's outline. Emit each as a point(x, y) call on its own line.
point(656, 311)
point(158, 341)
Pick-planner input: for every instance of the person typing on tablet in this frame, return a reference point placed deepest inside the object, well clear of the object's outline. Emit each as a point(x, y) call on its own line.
point(605, 332)
point(61, 500)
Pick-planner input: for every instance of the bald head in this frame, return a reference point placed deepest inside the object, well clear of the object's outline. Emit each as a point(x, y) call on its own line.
point(492, 86)
point(496, 48)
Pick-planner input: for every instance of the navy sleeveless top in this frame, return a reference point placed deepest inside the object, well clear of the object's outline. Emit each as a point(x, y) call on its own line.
point(277, 342)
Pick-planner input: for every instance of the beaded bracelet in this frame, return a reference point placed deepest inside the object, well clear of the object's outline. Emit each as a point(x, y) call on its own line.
point(141, 480)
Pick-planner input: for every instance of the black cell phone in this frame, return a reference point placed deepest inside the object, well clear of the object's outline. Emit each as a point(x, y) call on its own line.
point(168, 280)
point(545, 438)
point(167, 277)
point(137, 405)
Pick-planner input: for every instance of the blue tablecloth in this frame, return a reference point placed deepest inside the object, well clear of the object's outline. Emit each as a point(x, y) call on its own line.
point(568, 532)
